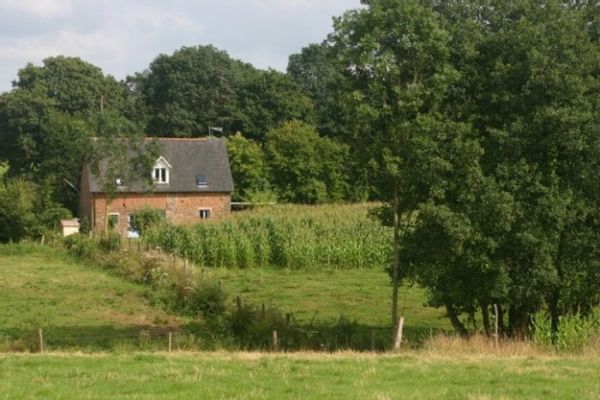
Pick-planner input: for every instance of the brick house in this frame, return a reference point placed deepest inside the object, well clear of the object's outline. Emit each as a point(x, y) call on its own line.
point(192, 182)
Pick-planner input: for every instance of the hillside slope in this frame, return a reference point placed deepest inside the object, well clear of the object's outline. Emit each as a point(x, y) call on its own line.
point(71, 302)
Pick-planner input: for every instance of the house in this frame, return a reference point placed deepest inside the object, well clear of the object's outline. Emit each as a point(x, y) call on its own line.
point(191, 182)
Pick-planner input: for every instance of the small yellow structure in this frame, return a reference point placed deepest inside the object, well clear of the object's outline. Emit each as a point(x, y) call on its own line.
point(69, 226)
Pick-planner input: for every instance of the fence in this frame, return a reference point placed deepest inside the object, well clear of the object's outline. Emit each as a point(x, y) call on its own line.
point(48, 340)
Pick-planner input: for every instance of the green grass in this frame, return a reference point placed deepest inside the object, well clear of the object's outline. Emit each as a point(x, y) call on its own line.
point(73, 303)
point(299, 376)
point(83, 306)
point(359, 295)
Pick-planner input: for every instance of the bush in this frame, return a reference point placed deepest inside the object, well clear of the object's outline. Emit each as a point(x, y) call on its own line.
point(145, 218)
point(81, 246)
point(26, 211)
point(111, 242)
point(206, 298)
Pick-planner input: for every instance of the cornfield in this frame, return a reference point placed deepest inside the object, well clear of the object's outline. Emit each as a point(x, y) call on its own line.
point(291, 236)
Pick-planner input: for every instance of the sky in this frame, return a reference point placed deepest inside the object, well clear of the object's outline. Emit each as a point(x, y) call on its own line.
point(124, 36)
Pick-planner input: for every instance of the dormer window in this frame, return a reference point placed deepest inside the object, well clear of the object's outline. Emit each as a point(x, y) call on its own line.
point(160, 175)
point(160, 172)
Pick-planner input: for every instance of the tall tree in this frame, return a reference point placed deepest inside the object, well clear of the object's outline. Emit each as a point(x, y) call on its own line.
point(305, 167)
point(46, 120)
point(198, 87)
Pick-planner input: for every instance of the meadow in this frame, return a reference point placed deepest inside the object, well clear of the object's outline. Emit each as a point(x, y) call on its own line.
point(76, 305)
point(296, 376)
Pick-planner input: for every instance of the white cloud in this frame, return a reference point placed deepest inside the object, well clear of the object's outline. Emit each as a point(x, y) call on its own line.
point(123, 36)
point(41, 8)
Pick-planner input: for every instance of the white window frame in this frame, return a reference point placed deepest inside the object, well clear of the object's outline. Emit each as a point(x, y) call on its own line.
point(161, 165)
point(200, 209)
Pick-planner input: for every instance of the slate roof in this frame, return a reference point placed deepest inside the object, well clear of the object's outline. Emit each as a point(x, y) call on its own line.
point(189, 158)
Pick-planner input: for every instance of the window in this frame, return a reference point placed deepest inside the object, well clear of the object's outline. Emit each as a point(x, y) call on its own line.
point(204, 213)
point(201, 181)
point(160, 172)
point(160, 175)
point(113, 220)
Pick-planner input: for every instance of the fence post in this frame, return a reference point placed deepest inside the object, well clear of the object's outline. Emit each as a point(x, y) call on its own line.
point(373, 340)
point(41, 337)
point(170, 341)
point(275, 341)
point(496, 325)
point(398, 340)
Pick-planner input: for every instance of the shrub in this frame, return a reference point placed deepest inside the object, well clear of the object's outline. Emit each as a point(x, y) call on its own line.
point(26, 211)
point(110, 242)
point(145, 218)
point(206, 298)
point(81, 246)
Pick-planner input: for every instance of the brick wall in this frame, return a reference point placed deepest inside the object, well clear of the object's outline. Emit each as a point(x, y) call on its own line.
point(180, 208)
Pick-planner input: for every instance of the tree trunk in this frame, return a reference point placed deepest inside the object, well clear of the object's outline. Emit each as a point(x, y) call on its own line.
point(396, 261)
point(456, 323)
point(517, 321)
point(485, 317)
point(501, 328)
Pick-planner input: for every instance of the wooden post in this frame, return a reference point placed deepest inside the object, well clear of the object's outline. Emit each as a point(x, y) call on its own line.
point(170, 341)
point(373, 340)
point(396, 259)
point(42, 240)
point(41, 337)
point(275, 341)
point(398, 340)
point(496, 322)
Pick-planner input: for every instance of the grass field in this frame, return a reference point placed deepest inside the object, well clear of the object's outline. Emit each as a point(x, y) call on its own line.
point(359, 295)
point(73, 303)
point(297, 376)
point(84, 307)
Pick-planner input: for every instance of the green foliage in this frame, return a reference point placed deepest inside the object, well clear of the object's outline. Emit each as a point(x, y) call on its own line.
point(575, 331)
point(81, 247)
point(145, 218)
point(248, 168)
point(305, 167)
point(289, 236)
point(206, 298)
point(198, 87)
point(26, 211)
point(482, 118)
point(47, 121)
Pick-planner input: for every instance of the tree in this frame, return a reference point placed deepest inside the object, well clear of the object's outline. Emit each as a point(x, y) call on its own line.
point(47, 121)
point(305, 167)
point(482, 126)
point(27, 211)
point(198, 87)
point(249, 169)
point(318, 75)
point(396, 67)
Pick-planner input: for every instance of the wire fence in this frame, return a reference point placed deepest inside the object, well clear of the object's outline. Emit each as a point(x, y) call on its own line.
point(44, 340)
